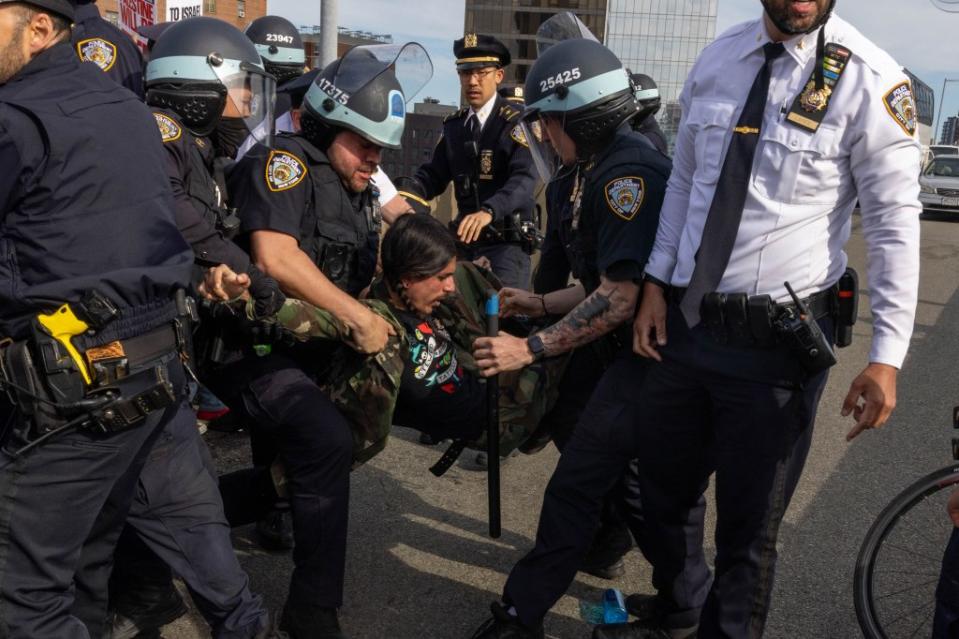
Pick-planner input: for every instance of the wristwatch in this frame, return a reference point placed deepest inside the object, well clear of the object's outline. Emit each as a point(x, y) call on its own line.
point(536, 347)
point(654, 280)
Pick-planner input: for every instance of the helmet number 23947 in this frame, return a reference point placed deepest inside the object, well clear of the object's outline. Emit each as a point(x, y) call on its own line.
point(560, 78)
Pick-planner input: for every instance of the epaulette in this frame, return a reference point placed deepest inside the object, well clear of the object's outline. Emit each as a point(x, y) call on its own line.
point(509, 112)
point(456, 114)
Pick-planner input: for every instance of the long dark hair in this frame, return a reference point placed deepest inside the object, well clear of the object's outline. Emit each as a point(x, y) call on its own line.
point(416, 246)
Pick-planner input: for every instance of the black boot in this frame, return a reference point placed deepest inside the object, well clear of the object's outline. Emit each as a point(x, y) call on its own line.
point(604, 559)
point(505, 626)
point(311, 623)
point(154, 608)
point(275, 531)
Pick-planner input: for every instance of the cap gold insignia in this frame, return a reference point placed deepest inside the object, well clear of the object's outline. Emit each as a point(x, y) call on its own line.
point(469, 41)
point(813, 99)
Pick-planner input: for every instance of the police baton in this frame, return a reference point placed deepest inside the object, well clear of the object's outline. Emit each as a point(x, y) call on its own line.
point(492, 424)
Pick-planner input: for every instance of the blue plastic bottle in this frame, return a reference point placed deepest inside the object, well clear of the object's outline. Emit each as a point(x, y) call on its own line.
point(611, 610)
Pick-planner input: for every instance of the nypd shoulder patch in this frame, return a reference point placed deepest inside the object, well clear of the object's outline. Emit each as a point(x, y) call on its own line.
point(901, 105)
point(518, 136)
point(625, 196)
point(100, 52)
point(284, 171)
point(170, 131)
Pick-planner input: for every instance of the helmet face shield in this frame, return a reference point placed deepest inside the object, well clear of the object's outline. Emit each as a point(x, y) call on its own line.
point(551, 154)
point(561, 27)
point(250, 97)
point(367, 89)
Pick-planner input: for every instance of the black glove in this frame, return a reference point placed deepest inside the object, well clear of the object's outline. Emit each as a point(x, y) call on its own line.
point(266, 293)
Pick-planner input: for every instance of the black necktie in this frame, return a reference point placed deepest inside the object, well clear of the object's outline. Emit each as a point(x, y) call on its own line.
point(473, 128)
point(726, 210)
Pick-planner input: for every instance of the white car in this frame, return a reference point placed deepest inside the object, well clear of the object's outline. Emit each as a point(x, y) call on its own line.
point(939, 185)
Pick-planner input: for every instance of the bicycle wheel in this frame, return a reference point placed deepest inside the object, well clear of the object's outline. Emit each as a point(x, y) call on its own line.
point(899, 562)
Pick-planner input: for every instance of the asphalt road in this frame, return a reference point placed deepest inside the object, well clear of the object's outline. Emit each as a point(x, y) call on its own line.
point(420, 564)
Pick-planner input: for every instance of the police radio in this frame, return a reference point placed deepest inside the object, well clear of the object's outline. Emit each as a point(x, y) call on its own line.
point(798, 327)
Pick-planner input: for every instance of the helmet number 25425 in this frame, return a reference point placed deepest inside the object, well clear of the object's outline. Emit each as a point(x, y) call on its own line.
point(562, 77)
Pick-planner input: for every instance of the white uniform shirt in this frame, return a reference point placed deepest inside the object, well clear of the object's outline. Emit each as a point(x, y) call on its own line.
point(804, 185)
point(482, 115)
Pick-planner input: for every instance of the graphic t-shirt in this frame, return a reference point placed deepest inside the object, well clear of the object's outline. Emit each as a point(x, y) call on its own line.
point(437, 395)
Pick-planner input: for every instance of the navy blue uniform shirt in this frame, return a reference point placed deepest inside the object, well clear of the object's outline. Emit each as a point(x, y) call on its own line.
point(96, 40)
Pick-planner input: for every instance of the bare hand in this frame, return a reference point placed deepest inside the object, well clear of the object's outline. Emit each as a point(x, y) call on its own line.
point(516, 301)
point(953, 507)
point(499, 354)
point(472, 225)
point(483, 262)
point(370, 333)
point(650, 323)
point(871, 398)
point(221, 284)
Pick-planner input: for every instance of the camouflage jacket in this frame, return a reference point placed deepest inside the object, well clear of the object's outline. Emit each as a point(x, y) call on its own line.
point(365, 387)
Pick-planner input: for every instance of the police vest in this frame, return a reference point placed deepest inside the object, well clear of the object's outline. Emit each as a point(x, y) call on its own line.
point(99, 212)
point(627, 149)
point(341, 241)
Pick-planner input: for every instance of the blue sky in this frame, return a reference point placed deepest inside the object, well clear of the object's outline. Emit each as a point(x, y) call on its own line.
point(915, 32)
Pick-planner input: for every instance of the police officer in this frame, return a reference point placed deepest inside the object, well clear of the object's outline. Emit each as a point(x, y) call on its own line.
point(208, 76)
point(484, 154)
point(647, 93)
point(87, 228)
point(619, 185)
point(769, 162)
point(311, 221)
point(96, 40)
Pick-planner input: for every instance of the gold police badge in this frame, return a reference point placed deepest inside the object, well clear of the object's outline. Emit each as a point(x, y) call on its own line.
point(486, 164)
point(813, 99)
point(284, 171)
point(100, 52)
point(469, 40)
point(169, 130)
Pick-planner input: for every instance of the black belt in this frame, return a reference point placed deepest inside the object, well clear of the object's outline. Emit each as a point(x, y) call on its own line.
point(819, 304)
point(114, 361)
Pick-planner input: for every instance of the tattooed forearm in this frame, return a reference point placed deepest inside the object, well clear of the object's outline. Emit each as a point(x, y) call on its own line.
point(609, 306)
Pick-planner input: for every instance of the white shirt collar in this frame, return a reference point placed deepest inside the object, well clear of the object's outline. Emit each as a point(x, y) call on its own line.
point(800, 47)
point(483, 113)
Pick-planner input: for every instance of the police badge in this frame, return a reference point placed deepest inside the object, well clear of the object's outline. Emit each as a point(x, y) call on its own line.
point(169, 130)
point(486, 164)
point(469, 40)
point(625, 196)
point(284, 171)
point(98, 51)
point(902, 107)
point(813, 99)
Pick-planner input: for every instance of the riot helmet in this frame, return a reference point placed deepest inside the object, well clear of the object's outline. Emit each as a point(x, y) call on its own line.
point(783, 26)
point(560, 28)
point(211, 76)
point(581, 87)
point(366, 92)
point(647, 94)
point(63, 8)
point(279, 44)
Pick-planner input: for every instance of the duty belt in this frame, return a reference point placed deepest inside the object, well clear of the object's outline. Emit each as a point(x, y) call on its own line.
point(748, 320)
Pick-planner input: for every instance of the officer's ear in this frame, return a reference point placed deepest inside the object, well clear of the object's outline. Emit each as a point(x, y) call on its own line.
point(42, 31)
point(499, 74)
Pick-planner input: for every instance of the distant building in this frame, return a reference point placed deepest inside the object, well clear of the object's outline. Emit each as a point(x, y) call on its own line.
point(239, 13)
point(345, 39)
point(950, 131)
point(925, 106)
point(424, 126)
point(660, 38)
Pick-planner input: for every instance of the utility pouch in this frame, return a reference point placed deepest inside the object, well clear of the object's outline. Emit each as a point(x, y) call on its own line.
point(24, 384)
point(759, 309)
point(847, 307)
point(712, 316)
point(736, 319)
point(125, 413)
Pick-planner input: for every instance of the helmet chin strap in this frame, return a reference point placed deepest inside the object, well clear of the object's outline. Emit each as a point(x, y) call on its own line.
point(794, 32)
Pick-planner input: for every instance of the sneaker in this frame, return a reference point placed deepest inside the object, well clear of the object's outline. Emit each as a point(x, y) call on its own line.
point(311, 623)
point(145, 618)
point(275, 531)
point(482, 459)
point(427, 440)
point(604, 559)
point(210, 415)
point(503, 625)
